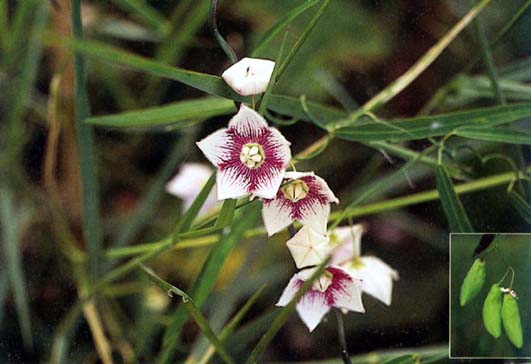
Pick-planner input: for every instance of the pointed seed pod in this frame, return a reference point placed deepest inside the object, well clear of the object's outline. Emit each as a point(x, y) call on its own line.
point(511, 320)
point(473, 282)
point(492, 308)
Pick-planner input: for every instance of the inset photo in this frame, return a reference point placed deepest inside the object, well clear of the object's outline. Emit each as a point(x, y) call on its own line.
point(490, 296)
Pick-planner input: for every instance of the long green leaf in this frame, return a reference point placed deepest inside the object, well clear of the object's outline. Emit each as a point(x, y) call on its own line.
point(208, 276)
point(194, 311)
point(281, 23)
point(496, 135)
point(521, 205)
point(86, 153)
point(177, 114)
point(404, 359)
point(432, 126)
point(13, 262)
point(452, 206)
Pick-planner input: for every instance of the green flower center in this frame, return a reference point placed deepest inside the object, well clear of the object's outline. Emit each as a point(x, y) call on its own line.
point(295, 190)
point(252, 155)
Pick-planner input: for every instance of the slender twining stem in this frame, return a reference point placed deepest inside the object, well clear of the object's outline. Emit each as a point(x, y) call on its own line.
point(505, 275)
point(342, 339)
point(212, 23)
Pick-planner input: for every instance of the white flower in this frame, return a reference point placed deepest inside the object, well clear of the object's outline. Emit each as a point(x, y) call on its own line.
point(308, 247)
point(189, 182)
point(376, 276)
point(304, 197)
point(249, 76)
point(334, 288)
point(250, 156)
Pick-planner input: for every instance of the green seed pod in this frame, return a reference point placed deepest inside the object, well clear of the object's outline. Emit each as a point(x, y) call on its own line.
point(473, 282)
point(511, 320)
point(492, 311)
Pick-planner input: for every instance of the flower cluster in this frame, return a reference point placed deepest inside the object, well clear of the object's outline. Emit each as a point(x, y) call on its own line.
point(251, 159)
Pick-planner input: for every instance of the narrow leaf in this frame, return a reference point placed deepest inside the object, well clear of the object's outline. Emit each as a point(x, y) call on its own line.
point(432, 126)
point(496, 135)
point(209, 274)
point(227, 213)
point(521, 205)
point(404, 359)
point(452, 206)
point(13, 262)
point(140, 10)
point(283, 22)
point(177, 114)
point(194, 311)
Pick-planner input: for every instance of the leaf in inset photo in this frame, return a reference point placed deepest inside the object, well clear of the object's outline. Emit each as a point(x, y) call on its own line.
point(511, 321)
point(492, 311)
point(473, 282)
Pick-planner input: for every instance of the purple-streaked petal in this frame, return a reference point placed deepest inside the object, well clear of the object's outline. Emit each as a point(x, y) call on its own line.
point(249, 76)
point(214, 146)
point(247, 121)
point(326, 190)
point(291, 289)
point(231, 185)
point(276, 216)
point(308, 247)
point(312, 308)
point(345, 290)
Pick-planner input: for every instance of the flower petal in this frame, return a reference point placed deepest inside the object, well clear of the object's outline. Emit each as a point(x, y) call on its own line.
point(345, 290)
point(230, 185)
point(214, 146)
point(377, 277)
point(188, 183)
point(308, 247)
point(312, 308)
point(316, 217)
point(249, 76)
point(276, 216)
point(346, 243)
point(247, 121)
point(291, 289)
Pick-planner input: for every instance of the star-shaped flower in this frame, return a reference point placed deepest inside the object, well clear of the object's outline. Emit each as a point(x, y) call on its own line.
point(334, 288)
point(249, 76)
point(188, 183)
point(376, 276)
point(308, 247)
point(250, 156)
point(304, 197)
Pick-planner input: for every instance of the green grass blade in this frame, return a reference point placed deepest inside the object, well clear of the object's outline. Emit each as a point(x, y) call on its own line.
point(282, 23)
point(146, 14)
point(92, 230)
point(404, 359)
point(452, 206)
point(517, 71)
point(177, 114)
point(521, 205)
point(496, 135)
point(227, 213)
point(302, 38)
point(194, 311)
point(233, 323)
point(188, 218)
point(13, 262)
point(432, 126)
point(265, 98)
point(20, 93)
point(247, 217)
point(282, 316)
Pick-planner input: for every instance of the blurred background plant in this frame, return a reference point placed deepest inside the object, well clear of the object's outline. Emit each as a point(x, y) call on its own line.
point(70, 287)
